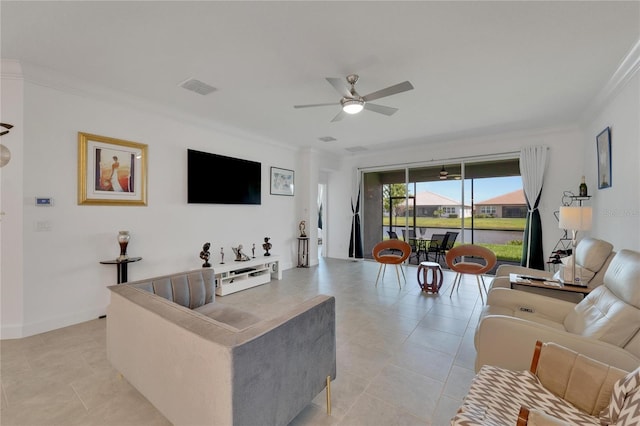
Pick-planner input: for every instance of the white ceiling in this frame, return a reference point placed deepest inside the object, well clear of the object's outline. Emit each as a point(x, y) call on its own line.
point(477, 67)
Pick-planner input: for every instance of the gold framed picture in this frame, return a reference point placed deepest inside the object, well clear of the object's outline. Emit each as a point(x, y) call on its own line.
point(111, 171)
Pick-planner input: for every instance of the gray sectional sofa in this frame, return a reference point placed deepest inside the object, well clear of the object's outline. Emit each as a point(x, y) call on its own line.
point(200, 362)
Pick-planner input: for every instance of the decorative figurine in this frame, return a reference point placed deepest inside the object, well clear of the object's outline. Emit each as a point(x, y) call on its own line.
point(266, 246)
point(240, 256)
point(302, 227)
point(253, 251)
point(204, 255)
point(221, 256)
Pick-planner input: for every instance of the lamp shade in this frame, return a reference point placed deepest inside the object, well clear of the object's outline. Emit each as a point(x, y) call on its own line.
point(575, 218)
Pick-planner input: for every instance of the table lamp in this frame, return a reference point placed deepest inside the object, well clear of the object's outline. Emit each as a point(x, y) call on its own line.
point(575, 219)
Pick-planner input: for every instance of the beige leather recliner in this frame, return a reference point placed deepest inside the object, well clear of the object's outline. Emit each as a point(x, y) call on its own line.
point(593, 257)
point(604, 325)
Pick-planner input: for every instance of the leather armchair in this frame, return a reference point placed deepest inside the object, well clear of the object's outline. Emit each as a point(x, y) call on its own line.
point(592, 256)
point(605, 325)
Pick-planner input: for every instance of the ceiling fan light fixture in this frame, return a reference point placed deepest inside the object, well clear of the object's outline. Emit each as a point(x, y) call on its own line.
point(443, 174)
point(352, 106)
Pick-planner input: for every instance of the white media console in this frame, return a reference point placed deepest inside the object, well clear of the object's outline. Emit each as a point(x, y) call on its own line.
point(235, 275)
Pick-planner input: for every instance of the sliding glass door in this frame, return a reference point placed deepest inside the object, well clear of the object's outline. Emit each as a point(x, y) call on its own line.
point(479, 202)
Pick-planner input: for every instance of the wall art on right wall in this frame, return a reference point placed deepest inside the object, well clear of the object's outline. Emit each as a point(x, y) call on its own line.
point(603, 143)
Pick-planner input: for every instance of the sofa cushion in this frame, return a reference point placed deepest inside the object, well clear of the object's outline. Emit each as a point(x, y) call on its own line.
point(576, 378)
point(191, 289)
point(603, 316)
point(229, 315)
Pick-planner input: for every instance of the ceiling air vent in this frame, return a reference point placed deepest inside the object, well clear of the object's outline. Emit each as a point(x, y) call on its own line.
point(328, 139)
point(197, 86)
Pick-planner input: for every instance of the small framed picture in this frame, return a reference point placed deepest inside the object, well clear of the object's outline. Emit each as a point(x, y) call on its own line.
point(282, 181)
point(111, 171)
point(603, 143)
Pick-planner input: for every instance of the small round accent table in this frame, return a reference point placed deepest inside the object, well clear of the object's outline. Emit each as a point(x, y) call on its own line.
point(436, 276)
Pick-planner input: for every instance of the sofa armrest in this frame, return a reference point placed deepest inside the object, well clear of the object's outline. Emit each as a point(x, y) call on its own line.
point(549, 307)
point(508, 342)
point(289, 356)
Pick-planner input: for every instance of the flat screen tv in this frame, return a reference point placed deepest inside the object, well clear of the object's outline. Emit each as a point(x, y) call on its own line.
point(216, 179)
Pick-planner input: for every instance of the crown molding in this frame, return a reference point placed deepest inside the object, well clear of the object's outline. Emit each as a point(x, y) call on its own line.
point(624, 73)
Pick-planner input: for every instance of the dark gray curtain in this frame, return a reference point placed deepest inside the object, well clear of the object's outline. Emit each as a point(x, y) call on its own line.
point(355, 242)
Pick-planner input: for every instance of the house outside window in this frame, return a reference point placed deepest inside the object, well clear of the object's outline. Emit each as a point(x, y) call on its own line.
point(488, 210)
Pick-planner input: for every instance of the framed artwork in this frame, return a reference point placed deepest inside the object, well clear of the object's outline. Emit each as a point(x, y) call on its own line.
point(603, 143)
point(282, 181)
point(111, 171)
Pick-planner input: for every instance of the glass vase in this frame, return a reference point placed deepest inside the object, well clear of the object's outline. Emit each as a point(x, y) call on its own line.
point(123, 240)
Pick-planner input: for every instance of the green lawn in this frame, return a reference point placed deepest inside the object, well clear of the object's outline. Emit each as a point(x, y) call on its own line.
point(510, 252)
point(506, 224)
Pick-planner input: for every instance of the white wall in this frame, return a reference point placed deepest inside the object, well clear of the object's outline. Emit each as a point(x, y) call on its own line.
point(11, 182)
point(62, 281)
point(616, 210)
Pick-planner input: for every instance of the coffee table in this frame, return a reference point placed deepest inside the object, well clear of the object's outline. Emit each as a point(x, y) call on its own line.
point(517, 280)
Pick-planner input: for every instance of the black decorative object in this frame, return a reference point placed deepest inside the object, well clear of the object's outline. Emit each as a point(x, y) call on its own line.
point(266, 246)
point(204, 255)
point(221, 256)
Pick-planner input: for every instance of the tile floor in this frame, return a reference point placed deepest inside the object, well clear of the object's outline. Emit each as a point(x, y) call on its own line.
point(404, 357)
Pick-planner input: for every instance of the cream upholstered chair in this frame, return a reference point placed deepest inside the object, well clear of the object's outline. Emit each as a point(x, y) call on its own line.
point(391, 252)
point(561, 387)
point(461, 267)
point(605, 325)
point(592, 259)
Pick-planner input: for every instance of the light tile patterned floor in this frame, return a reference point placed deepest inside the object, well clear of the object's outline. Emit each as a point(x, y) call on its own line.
point(404, 357)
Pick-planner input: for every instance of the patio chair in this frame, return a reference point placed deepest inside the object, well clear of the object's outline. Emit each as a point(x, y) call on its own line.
point(436, 245)
point(409, 236)
point(452, 236)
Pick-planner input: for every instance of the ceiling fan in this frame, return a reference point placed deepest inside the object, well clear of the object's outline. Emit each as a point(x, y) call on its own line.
point(353, 103)
point(444, 174)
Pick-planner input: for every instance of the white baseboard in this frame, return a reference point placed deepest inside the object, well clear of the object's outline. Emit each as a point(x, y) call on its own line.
point(17, 331)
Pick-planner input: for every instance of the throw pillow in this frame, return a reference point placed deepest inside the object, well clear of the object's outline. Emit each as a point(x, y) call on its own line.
point(624, 408)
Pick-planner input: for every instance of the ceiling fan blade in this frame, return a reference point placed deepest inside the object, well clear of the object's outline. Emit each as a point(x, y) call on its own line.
point(380, 109)
point(316, 105)
point(391, 90)
point(340, 86)
point(340, 116)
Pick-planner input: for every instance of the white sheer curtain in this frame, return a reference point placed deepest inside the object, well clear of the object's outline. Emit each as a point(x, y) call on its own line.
point(533, 165)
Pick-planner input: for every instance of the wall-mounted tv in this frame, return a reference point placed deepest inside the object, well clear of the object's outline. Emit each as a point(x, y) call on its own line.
point(216, 179)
